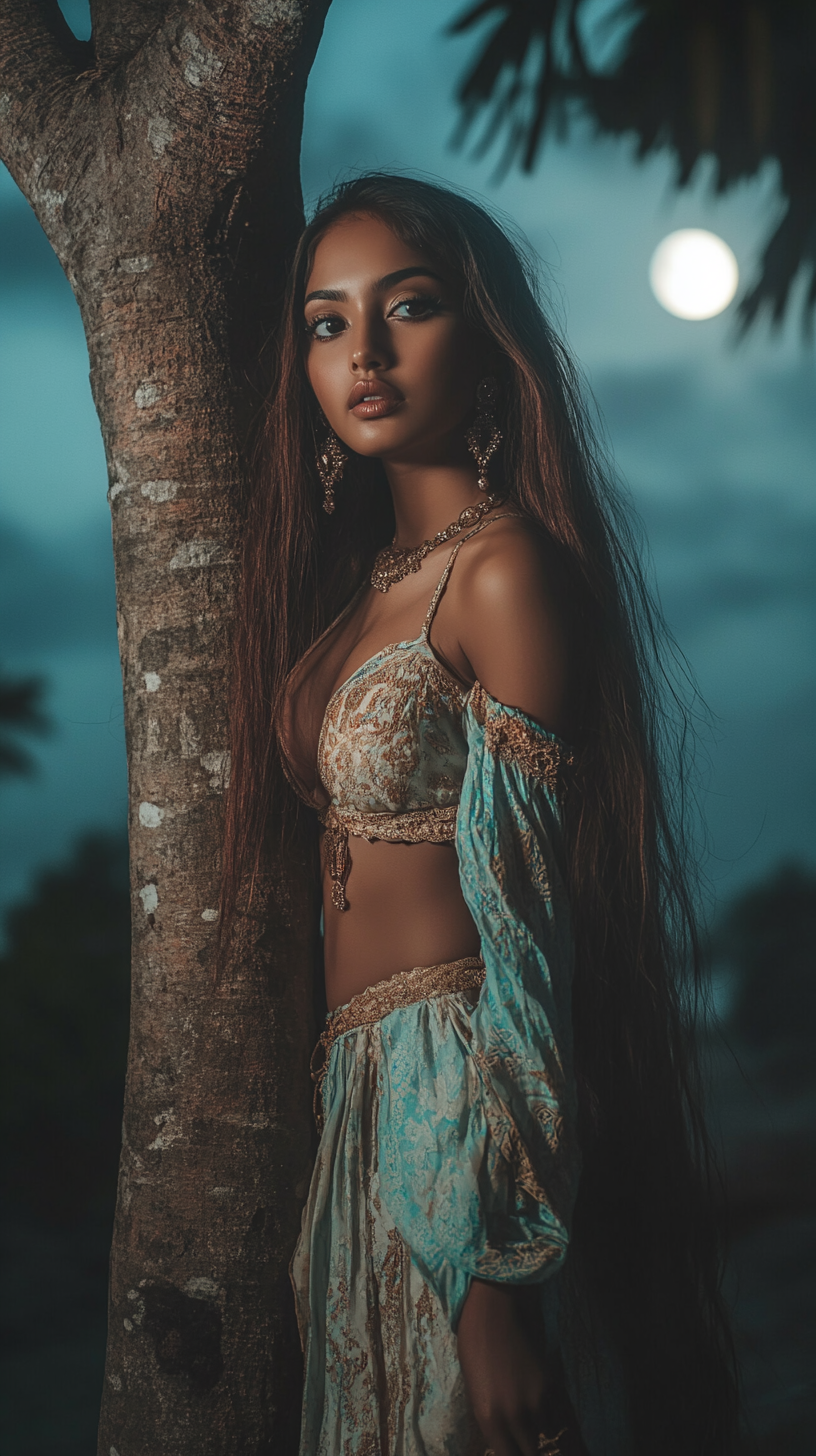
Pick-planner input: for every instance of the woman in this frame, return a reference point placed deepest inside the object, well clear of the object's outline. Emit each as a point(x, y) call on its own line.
point(507, 1243)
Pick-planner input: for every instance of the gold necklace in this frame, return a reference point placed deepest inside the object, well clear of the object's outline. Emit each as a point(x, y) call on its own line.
point(394, 562)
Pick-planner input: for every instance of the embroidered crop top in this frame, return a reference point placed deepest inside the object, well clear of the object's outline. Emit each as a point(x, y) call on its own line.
point(392, 750)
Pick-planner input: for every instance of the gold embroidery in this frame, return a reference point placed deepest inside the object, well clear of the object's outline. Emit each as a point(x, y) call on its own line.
point(387, 721)
point(504, 871)
point(425, 1312)
point(512, 1149)
point(509, 1140)
point(515, 1264)
point(349, 1361)
point(406, 988)
point(552, 1078)
point(415, 826)
point(395, 1279)
point(514, 741)
point(551, 1123)
point(424, 1320)
point(366, 1446)
point(338, 859)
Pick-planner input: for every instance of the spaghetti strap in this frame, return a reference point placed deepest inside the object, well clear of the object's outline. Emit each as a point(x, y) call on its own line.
point(443, 580)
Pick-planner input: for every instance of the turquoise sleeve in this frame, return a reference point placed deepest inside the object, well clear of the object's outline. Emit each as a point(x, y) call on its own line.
point(479, 1159)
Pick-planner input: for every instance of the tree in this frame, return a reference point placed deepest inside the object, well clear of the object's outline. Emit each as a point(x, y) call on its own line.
point(161, 158)
point(734, 80)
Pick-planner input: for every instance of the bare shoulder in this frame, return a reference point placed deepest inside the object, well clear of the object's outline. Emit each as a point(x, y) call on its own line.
point(492, 560)
point(508, 619)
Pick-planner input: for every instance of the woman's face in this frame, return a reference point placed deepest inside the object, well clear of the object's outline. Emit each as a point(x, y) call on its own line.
point(389, 355)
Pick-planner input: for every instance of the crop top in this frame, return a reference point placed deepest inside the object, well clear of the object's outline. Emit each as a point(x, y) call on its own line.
point(391, 751)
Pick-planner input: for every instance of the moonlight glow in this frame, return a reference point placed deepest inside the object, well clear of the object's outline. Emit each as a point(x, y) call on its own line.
point(693, 274)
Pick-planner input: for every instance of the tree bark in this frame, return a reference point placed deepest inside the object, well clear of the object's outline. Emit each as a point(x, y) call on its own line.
point(162, 160)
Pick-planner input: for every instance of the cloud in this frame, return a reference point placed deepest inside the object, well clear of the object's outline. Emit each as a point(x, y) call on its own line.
point(679, 427)
point(760, 798)
point(720, 550)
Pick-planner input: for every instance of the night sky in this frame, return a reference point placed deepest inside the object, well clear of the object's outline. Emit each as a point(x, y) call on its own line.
point(715, 441)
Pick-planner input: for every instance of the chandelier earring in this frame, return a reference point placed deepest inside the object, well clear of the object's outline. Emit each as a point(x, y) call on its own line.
point(331, 462)
point(484, 436)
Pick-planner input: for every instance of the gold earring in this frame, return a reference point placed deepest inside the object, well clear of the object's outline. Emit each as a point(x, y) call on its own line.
point(331, 462)
point(484, 436)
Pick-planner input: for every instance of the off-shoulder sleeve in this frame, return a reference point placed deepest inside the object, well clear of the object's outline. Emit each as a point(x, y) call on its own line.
point(479, 1158)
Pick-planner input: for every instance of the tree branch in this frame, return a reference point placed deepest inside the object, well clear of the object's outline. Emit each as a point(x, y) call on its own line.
point(39, 59)
point(120, 27)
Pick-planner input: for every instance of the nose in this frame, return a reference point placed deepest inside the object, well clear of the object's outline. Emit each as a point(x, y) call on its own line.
point(371, 348)
point(362, 359)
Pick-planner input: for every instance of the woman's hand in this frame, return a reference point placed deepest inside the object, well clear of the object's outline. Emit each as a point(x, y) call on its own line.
point(505, 1368)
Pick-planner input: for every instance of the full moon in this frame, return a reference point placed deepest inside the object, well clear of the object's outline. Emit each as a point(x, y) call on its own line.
point(693, 274)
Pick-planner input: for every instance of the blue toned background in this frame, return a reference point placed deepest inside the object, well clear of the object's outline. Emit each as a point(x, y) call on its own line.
point(715, 442)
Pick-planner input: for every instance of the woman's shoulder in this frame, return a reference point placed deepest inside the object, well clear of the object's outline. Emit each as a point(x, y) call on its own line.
point(507, 525)
point(509, 620)
point(508, 559)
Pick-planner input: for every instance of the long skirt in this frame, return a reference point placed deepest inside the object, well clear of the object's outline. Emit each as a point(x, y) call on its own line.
point(382, 1375)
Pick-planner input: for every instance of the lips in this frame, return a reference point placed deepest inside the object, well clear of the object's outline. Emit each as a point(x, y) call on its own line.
point(372, 398)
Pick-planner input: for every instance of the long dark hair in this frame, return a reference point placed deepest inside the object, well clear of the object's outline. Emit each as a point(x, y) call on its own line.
point(644, 1219)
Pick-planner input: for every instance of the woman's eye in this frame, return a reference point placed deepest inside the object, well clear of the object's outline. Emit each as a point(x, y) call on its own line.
point(414, 308)
point(327, 326)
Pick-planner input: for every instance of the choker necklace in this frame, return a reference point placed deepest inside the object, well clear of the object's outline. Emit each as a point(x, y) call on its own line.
point(394, 562)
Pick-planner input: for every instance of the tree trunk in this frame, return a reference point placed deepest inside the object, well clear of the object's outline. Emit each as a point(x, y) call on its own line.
point(162, 161)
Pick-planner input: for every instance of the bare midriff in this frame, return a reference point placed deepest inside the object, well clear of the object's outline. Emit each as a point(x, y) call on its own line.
point(405, 909)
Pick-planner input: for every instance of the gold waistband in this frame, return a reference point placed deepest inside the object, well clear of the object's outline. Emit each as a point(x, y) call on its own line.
point(415, 826)
point(406, 988)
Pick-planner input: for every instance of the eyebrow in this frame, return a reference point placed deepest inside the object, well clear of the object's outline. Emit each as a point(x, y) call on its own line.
point(336, 295)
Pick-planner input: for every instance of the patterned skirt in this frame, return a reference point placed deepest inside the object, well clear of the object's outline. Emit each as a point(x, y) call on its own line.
point(382, 1375)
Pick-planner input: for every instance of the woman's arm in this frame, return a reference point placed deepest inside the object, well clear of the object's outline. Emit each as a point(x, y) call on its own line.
point(478, 1154)
point(507, 1374)
point(510, 634)
point(507, 621)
